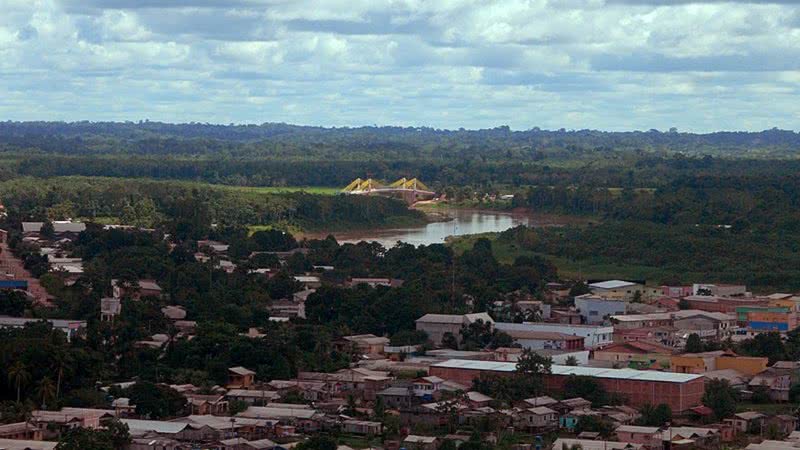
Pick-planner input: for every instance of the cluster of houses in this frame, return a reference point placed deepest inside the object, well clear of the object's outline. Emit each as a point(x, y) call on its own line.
point(630, 338)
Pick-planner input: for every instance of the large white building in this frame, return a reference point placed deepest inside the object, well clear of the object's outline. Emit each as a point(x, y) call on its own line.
point(594, 336)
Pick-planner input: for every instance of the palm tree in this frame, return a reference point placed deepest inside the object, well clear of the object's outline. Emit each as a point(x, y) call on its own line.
point(18, 375)
point(46, 391)
point(61, 360)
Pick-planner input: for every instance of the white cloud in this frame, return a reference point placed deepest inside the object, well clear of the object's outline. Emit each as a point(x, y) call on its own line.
point(611, 64)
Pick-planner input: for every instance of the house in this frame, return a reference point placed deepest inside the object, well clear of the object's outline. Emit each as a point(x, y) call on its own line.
point(374, 282)
point(713, 325)
point(745, 421)
point(596, 310)
point(572, 404)
point(691, 437)
point(173, 312)
point(123, 407)
point(540, 340)
point(309, 281)
point(647, 436)
point(362, 427)
point(53, 423)
point(585, 444)
point(717, 360)
point(137, 290)
point(240, 378)
point(623, 290)
point(639, 321)
point(398, 397)
point(110, 308)
point(719, 290)
point(363, 344)
point(540, 401)
point(776, 384)
point(478, 400)
point(537, 419)
point(20, 430)
point(179, 431)
point(594, 336)
point(414, 442)
point(302, 417)
point(214, 404)
point(14, 444)
point(636, 354)
point(61, 228)
point(256, 397)
point(437, 325)
point(567, 317)
point(427, 387)
point(785, 424)
point(71, 328)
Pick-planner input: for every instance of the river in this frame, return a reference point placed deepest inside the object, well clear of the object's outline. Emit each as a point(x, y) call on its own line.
point(462, 222)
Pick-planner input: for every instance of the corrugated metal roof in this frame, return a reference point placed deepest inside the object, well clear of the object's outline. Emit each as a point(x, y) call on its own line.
point(612, 284)
point(622, 374)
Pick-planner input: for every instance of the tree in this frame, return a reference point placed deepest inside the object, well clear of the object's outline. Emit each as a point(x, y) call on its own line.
point(18, 376)
point(721, 398)
point(531, 364)
point(571, 361)
point(379, 410)
point(317, 442)
point(115, 435)
point(579, 288)
point(655, 416)
point(694, 344)
point(449, 341)
point(595, 424)
point(156, 401)
point(46, 390)
point(587, 388)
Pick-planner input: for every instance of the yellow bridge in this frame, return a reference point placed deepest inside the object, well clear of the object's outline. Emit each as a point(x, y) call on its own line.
point(410, 190)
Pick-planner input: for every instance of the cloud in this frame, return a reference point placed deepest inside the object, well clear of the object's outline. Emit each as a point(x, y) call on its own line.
point(611, 64)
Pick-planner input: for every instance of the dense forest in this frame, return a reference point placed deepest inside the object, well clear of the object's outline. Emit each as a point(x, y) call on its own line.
point(719, 206)
point(280, 154)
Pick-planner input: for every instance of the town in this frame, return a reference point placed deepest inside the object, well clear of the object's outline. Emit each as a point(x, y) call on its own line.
point(547, 363)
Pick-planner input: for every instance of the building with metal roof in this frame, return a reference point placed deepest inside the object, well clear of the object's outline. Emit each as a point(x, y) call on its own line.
point(680, 391)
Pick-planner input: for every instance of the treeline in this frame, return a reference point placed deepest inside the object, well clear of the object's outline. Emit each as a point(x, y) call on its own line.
point(191, 209)
point(767, 204)
point(683, 253)
point(404, 138)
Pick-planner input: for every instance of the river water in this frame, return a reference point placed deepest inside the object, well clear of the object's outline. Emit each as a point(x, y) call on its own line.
point(462, 222)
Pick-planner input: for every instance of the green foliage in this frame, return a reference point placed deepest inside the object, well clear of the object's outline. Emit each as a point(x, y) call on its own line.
point(155, 401)
point(595, 424)
point(768, 345)
point(408, 337)
point(587, 388)
point(317, 442)
point(524, 383)
point(655, 416)
point(114, 436)
point(721, 398)
point(694, 344)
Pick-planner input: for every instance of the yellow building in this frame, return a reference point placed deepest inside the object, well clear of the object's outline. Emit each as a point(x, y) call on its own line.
point(699, 363)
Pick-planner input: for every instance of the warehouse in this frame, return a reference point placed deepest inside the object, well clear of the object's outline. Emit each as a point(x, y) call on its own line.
point(639, 387)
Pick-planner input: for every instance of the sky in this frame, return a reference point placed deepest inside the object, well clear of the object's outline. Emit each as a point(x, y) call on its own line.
point(602, 64)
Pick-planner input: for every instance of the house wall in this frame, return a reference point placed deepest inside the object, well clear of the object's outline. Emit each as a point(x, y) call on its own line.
point(679, 396)
point(747, 365)
point(437, 330)
point(593, 311)
point(644, 358)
